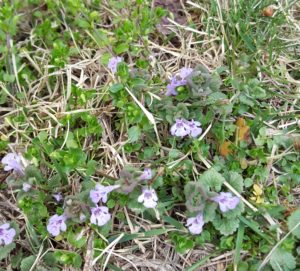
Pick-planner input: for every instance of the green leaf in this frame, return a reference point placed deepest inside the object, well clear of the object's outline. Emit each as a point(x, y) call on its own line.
point(226, 226)
point(235, 212)
point(27, 263)
point(116, 88)
point(33, 172)
point(212, 179)
point(209, 211)
point(71, 143)
point(293, 221)
point(235, 180)
point(282, 260)
point(134, 134)
point(173, 222)
point(4, 251)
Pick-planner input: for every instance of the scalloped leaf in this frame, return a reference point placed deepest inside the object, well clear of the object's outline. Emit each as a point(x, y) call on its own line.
point(292, 222)
point(282, 260)
point(4, 251)
point(235, 180)
point(209, 212)
point(212, 179)
point(226, 226)
point(235, 212)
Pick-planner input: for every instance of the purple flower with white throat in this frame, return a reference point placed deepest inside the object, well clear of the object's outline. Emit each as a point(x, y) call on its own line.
point(226, 201)
point(26, 187)
point(148, 197)
point(113, 63)
point(100, 215)
point(180, 128)
point(146, 175)
point(56, 224)
point(12, 161)
point(177, 81)
point(58, 197)
point(7, 234)
point(100, 192)
point(195, 128)
point(195, 224)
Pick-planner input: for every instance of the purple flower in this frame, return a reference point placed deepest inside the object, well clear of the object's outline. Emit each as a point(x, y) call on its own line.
point(58, 197)
point(180, 128)
point(26, 187)
point(57, 224)
point(6, 234)
point(185, 72)
point(148, 197)
point(226, 201)
point(113, 63)
point(13, 162)
point(100, 192)
point(195, 224)
point(195, 128)
point(100, 215)
point(184, 127)
point(146, 175)
point(178, 80)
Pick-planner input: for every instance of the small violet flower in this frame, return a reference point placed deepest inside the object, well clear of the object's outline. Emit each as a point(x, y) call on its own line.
point(148, 197)
point(56, 224)
point(195, 224)
point(184, 127)
point(100, 192)
point(146, 175)
point(180, 128)
point(113, 63)
point(58, 197)
point(100, 215)
point(7, 234)
point(195, 129)
point(13, 162)
point(26, 187)
point(178, 80)
point(226, 201)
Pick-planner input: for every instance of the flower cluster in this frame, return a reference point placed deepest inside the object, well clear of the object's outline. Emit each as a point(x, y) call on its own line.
point(184, 127)
point(7, 234)
point(226, 203)
point(177, 81)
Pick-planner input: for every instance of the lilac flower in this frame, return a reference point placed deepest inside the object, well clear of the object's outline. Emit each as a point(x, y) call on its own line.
point(100, 192)
point(13, 162)
point(195, 224)
point(185, 72)
point(195, 128)
point(226, 201)
point(113, 63)
point(146, 175)
point(180, 128)
point(178, 80)
point(7, 234)
point(184, 127)
point(26, 187)
point(57, 224)
point(100, 215)
point(58, 197)
point(148, 197)
point(174, 83)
